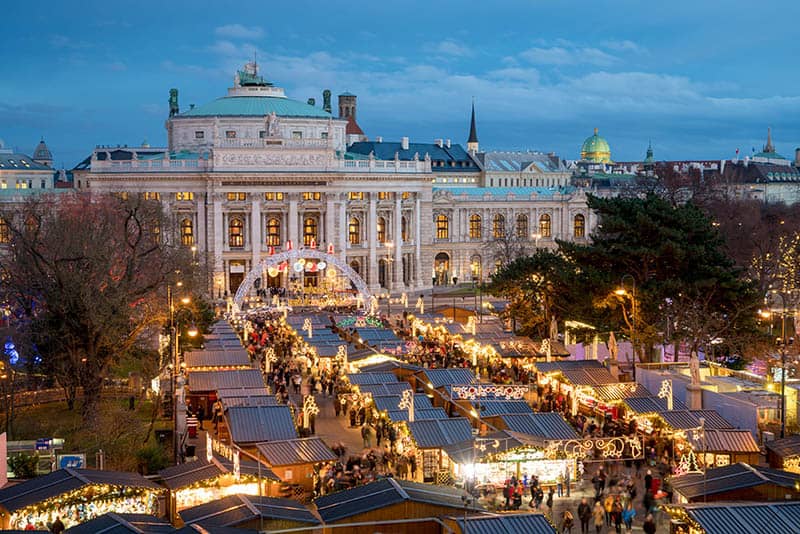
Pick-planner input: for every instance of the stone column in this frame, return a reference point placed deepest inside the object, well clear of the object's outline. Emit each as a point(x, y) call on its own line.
point(292, 222)
point(329, 236)
point(218, 232)
point(344, 222)
point(372, 240)
point(420, 280)
point(202, 222)
point(397, 271)
point(255, 231)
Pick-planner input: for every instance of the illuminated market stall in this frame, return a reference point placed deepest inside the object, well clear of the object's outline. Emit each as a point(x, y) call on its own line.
point(296, 461)
point(727, 518)
point(250, 513)
point(426, 439)
point(77, 495)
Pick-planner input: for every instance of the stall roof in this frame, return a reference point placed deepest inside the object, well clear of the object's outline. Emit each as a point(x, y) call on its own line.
point(746, 517)
point(545, 425)
point(391, 403)
point(467, 452)
point(786, 447)
point(217, 358)
point(590, 376)
point(732, 477)
point(621, 391)
point(500, 407)
point(243, 392)
point(358, 379)
point(251, 424)
point(419, 415)
point(237, 509)
point(504, 524)
point(183, 475)
point(247, 467)
point(550, 367)
point(688, 419)
point(724, 440)
point(387, 492)
point(389, 366)
point(296, 451)
point(382, 390)
point(443, 377)
point(642, 405)
point(113, 523)
point(437, 433)
point(201, 381)
point(259, 400)
point(65, 480)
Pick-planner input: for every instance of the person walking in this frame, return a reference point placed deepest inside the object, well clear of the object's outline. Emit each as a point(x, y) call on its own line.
point(599, 515)
point(566, 522)
point(549, 502)
point(584, 514)
point(57, 527)
point(628, 513)
point(366, 435)
point(649, 525)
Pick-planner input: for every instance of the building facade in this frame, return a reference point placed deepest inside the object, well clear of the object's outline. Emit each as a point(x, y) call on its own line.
point(255, 172)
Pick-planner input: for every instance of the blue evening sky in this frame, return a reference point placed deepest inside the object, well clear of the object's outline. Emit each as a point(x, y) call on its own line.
point(698, 78)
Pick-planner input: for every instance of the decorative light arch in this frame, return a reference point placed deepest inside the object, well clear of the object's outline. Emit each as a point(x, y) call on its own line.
point(291, 256)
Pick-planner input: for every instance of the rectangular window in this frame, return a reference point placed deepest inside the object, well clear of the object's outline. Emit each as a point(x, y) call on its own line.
point(122, 195)
point(43, 184)
point(273, 196)
point(237, 196)
point(384, 195)
point(297, 134)
point(324, 135)
point(406, 195)
point(21, 185)
point(4, 185)
point(356, 195)
point(230, 134)
point(262, 134)
point(312, 195)
point(184, 195)
point(148, 195)
point(199, 134)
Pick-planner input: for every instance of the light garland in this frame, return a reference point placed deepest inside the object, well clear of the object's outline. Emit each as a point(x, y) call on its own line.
point(480, 391)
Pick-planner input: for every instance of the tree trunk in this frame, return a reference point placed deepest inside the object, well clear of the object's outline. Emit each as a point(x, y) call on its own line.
point(92, 390)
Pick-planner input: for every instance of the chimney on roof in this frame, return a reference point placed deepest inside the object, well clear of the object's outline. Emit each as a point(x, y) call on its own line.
point(438, 142)
point(378, 139)
point(447, 143)
point(797, 157)
point(312, 102)
point(404, 143)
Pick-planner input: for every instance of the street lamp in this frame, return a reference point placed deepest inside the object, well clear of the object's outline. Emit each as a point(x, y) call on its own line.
point(621, 291)
point(174, 339)
point(388, 275)
point(783, 361)
point(536, 237)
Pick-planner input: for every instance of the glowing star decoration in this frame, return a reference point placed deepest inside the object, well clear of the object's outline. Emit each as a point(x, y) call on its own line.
point(298, 267)
point(321, 265)
point(209, 448)
point(308, 328)
point(404, 299)
point(373, 305)
point(471, 327)
point(407, 402)
point(688, 464)
point(309, 408)
point(666, 392)
point(269, 358)
point(420, 305)
point(480, 391)
point(341, 354)
point(547, 350)
point(237, 470)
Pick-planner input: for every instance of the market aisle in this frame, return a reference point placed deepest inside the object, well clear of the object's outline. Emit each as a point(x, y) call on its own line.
point(334, 430)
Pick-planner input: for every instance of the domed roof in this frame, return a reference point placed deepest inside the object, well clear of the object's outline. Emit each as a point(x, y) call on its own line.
point(42, 152)
point(256, 106)
point(596, 149)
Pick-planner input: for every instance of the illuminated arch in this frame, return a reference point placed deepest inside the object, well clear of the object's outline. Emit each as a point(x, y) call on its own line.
point(291, 256)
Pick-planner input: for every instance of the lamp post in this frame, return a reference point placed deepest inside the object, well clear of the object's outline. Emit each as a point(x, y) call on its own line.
point(389, 245)
point(783, 362)
point(174, 338)
point(623, 292)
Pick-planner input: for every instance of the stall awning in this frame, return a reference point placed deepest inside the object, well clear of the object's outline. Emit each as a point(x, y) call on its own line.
point(617, 392)
point(732, 477)
point(359, 379)
point(230, 358)
point(438, 433)
point(642, 405)
point(544, 425)
point(183, 475)
point(473, 449)
point(236, 510)
point(488, 408)
point(388, 403)
point(419, 415)
point(296, 451)
point(746, 517)
point(66, 480)
point(504, 524)
point(786, 447)
point(443, 377)
point(725, 440)
point(689, 419)
point(113, 523)
point(377, 390)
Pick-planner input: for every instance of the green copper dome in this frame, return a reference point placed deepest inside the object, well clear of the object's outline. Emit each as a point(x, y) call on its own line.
point(596, 149)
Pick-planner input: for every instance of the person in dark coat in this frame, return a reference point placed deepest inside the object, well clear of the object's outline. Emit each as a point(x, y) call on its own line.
point(584, 514)
point(57, 527)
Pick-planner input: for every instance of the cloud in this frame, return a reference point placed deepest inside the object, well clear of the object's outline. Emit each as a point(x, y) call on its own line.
point(624, 46)
point(558, 55)
point(62, 41)
point(449, 47)
point(238, 31)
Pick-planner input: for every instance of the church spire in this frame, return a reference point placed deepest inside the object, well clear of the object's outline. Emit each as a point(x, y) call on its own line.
point(768, 148)
point(472, 142)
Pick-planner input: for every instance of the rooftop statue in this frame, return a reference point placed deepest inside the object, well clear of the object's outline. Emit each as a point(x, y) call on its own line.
point(173, 102)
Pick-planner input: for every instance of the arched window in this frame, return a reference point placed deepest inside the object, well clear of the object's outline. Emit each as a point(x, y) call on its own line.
point(475, 229)
point(5, 232)
point(187, 232)
point(309, 231)
point(354, 231)
point(499, 226)
point(356, 266)
point(404, 229)
point(442, 227)
point(273, 232)
point(155, 234)
point(522, 226)
point(476, 268)
point(579, 226)
point(545, 230)
point(381, 230)
point(236, 232)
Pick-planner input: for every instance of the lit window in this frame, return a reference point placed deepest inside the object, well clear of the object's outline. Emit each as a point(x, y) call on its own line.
point(522, 226)
point(475, 228)
point(297, 134)
point(442, 227)
point(381, 230)
point(353, 195)
point(273, 196)
point(383, 195)
point(309, 231)
point(236, 232)
point(5, 232)
point(404, 229)
point(184, 195)
point(579, 226)
point(122, 195)
point(499, 226)
point(545, 230)
point(406, 195)
point(187, 232)
point(354, 231)
point(237, 196)
point(324, 135)
point(199, 134)
point(230, 134)
point(151, 195)
point(273, 232)
point(312, 195)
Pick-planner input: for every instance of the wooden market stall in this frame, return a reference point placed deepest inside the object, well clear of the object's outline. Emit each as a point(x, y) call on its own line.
point(784, 453)
point(427, 439)
point(296, 461)
point(263, 514)
point(202, 386)
point(737, 482)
